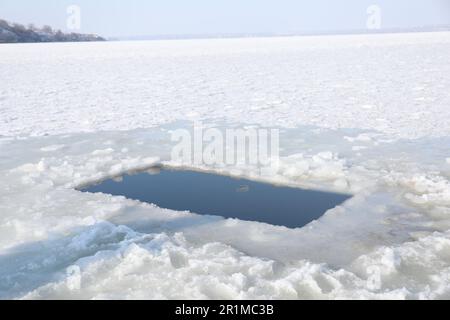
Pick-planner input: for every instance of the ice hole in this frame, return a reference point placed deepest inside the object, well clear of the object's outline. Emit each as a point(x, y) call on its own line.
point(213, 194)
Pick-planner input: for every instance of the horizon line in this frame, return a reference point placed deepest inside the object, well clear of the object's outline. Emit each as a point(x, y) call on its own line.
point(435, 28)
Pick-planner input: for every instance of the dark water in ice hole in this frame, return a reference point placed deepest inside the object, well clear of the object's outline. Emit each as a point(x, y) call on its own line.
point(211, 194)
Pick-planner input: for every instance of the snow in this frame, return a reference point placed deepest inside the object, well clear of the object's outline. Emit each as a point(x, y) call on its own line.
point(324, 81)
point(367, 115)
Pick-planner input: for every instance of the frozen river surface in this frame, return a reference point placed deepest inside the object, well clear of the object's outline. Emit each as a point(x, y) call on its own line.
point(362, 115)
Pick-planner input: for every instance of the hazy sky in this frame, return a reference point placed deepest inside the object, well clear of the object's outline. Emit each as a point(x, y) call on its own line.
point(171, 17)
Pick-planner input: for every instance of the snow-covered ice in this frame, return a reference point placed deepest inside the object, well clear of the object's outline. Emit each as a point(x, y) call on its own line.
point(364, 114)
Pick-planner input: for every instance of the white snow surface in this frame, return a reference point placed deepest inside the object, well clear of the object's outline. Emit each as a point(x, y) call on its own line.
point(362, 114)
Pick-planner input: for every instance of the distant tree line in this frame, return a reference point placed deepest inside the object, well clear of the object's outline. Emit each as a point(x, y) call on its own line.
point(18, 33)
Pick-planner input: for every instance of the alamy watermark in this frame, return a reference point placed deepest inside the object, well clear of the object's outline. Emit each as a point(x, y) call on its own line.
point(258, 148)
point(374, 17)
point(73, 277)
point(73, 21)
